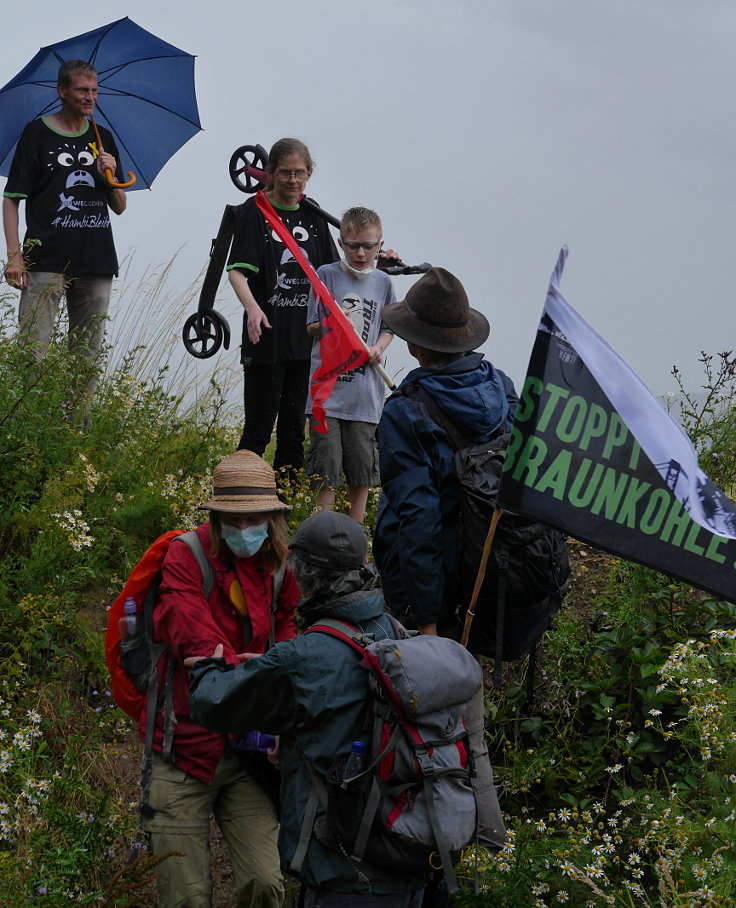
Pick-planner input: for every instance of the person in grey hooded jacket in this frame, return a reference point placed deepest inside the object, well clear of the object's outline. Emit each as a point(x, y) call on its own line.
point(312, 692)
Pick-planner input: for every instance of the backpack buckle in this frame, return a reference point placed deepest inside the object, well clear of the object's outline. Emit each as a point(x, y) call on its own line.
point(425, 764)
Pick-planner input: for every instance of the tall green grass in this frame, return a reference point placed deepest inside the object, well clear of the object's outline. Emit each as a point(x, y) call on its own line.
point(619, 788)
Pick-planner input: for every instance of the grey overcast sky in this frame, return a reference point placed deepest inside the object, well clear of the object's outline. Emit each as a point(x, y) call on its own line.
point(487, 133)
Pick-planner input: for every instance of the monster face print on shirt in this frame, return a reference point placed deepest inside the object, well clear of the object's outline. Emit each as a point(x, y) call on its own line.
point(66, 199)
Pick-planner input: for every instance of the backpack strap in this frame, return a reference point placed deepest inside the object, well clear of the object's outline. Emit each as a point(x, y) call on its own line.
point(455, 435)
point(351, 636)
point(457, 438)
point(317, 795)
point(341, 630)
point(192, 541)
point(277, 581)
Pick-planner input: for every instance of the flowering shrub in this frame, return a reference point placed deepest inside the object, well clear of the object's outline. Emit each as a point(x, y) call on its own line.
point(667, 842)
point(618, 787)
point(85, 486)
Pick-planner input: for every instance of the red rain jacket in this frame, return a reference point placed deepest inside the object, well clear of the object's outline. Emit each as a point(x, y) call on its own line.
point(190, 625)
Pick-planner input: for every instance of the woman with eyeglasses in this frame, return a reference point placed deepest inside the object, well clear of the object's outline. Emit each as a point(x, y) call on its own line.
point(274, 291)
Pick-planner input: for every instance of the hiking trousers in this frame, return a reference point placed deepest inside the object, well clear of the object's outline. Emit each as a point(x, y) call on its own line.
point(181, 822)
point(491, 828)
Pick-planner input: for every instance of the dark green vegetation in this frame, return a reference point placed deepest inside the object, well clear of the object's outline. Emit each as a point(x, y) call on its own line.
point(620, 785)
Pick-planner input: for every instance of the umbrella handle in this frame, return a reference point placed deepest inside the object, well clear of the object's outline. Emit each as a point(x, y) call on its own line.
point(109, 176)
point(111, 181)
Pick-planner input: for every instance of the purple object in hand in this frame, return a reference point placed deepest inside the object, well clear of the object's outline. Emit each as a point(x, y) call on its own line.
point(256, 740)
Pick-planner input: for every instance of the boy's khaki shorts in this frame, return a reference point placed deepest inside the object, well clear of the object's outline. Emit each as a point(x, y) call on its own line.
point(349, 448)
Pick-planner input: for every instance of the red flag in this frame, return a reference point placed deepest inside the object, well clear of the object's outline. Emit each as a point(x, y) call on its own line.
point(340, 348)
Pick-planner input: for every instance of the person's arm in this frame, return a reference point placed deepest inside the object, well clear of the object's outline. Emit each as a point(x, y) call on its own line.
point(117, 200)
point(314, 329)
point(15, 270)
point(407, 453)
point(257, 694)
point(256, 317)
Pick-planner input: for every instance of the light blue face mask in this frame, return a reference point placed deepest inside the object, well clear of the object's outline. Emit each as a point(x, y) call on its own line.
point(246, 542)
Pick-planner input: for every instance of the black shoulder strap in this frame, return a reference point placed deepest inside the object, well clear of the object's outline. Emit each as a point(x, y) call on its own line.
point(457, 438)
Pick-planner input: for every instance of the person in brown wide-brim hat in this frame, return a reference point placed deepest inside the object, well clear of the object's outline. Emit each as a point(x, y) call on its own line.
point(417, 545)
point(436, 315)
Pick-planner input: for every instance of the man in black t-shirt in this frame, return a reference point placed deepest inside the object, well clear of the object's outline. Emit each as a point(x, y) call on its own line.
point(58, 170)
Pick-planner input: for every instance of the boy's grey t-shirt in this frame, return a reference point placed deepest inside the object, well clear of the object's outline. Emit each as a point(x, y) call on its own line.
point(358, 395)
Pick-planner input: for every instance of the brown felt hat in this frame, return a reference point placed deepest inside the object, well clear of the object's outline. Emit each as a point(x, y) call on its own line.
point(436, 315)
point(244, 484)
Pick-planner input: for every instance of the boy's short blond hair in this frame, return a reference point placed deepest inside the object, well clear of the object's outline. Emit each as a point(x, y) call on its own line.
point(357, 219)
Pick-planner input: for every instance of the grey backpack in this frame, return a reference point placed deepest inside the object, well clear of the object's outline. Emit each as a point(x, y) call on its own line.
point(411, 806)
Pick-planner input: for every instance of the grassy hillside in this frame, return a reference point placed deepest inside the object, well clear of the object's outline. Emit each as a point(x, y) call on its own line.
point(619, 787)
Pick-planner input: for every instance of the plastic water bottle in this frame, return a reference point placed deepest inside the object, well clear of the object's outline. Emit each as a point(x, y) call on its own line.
point(356, 763)
point(131, 620)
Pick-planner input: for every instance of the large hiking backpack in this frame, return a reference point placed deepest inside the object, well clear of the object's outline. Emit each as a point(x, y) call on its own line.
point(132, 661)
point(524, 583)
point(412, 807)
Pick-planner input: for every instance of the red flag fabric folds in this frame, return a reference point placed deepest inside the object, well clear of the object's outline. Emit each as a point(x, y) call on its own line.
point(340, 347)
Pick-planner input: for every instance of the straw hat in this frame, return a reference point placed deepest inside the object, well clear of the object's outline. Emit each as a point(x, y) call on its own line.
point(436, 315)
point(244, 484)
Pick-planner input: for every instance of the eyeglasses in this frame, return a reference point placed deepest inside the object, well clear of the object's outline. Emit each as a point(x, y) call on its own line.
point(300, 174)
point(354, 247)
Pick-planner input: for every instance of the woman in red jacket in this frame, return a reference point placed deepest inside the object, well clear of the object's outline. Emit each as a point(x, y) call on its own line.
point(245, 542)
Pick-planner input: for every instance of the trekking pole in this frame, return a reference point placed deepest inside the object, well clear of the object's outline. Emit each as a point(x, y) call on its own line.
point(470, 614)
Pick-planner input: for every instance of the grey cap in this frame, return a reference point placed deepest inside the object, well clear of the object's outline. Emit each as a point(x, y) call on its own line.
point(331, 540)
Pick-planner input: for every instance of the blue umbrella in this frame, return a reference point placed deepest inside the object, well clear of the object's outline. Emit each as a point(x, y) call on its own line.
point(146, 95)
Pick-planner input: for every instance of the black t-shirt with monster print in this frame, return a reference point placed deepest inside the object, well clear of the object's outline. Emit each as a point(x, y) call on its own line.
point(277, 282)
point(66, 199)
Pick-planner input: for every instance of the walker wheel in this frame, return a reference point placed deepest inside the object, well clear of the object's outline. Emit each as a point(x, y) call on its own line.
point(202, 335)
point(248, 156)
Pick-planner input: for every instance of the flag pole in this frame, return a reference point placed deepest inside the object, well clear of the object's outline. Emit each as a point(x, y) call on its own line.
point(470, 614)
point(378, 367)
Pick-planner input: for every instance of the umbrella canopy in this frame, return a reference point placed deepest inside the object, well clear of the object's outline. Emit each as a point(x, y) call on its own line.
point(146, 95)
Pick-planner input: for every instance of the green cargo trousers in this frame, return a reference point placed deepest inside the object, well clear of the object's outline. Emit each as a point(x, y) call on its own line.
point(182, 807)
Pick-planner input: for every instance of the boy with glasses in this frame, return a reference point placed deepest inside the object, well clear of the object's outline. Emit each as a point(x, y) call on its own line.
point(354, 407)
